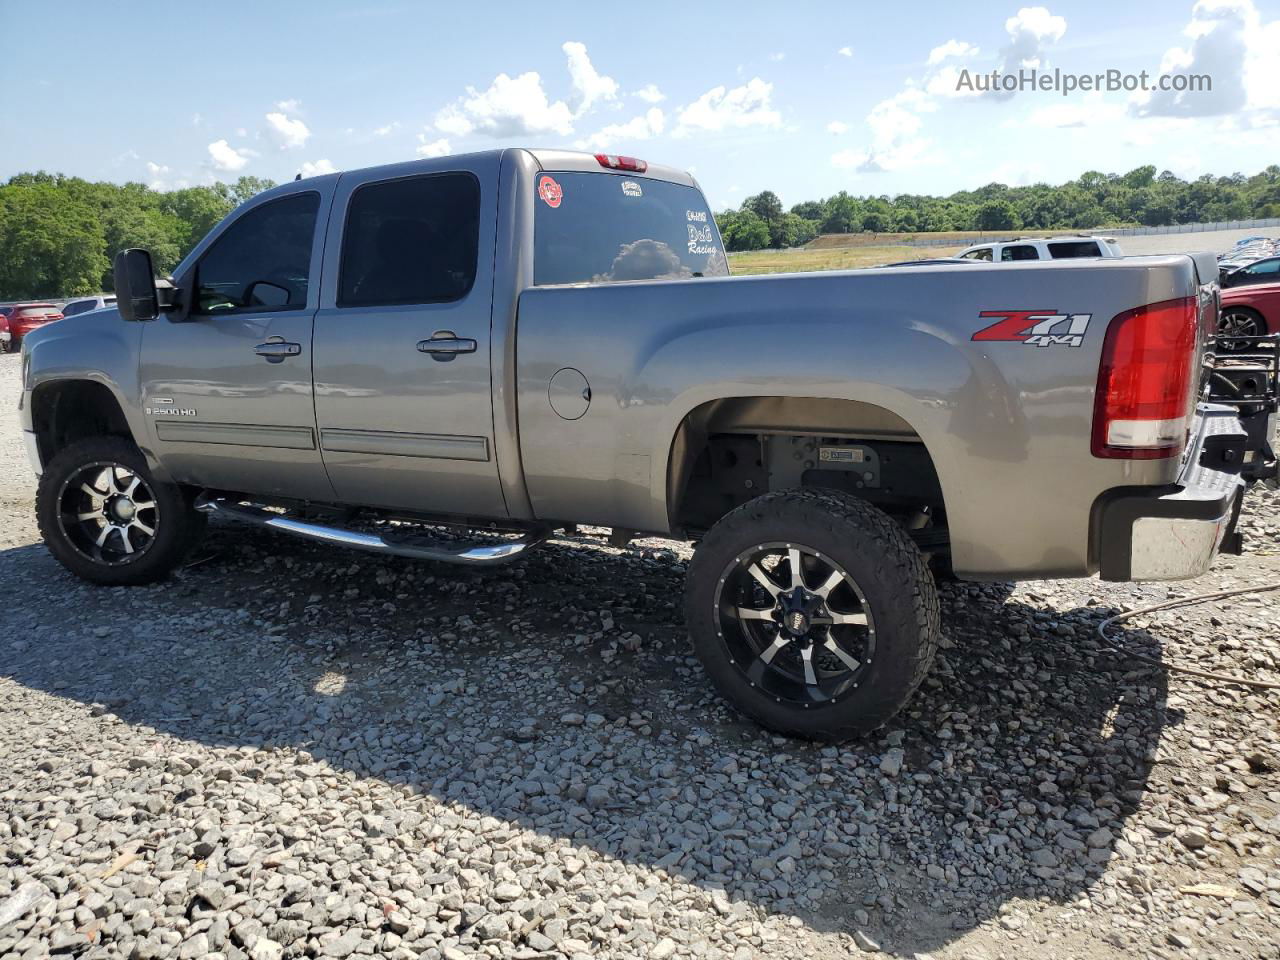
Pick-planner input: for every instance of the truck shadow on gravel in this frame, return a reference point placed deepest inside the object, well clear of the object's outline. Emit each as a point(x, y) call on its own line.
point(558, 695)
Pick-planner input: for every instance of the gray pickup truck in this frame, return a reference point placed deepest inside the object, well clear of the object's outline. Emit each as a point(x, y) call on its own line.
point(520, 341)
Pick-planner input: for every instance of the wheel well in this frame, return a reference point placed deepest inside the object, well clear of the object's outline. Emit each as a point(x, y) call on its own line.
point(69, 410)
point(727, 452)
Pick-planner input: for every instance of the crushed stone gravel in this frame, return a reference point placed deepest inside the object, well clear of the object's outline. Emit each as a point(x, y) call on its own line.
point(294, 751)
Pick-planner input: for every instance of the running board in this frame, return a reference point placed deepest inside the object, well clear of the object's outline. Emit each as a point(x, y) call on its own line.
point(472, 554)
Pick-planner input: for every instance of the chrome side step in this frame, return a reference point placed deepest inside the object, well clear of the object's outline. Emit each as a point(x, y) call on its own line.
point(474, 554)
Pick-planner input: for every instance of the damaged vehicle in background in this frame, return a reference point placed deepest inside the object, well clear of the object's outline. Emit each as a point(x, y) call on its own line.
point(27, 317)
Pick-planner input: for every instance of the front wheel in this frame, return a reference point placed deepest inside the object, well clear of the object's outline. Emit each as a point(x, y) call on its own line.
point(812, 612)
point(108, 520)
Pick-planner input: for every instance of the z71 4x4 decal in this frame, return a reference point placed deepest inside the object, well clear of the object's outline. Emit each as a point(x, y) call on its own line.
point(1040, 328)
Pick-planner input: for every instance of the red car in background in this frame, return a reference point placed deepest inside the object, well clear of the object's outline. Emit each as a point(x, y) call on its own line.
point(27, 317)
point(1252, 310)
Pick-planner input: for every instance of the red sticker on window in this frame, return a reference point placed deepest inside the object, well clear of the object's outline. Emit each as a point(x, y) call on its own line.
point(550, 192)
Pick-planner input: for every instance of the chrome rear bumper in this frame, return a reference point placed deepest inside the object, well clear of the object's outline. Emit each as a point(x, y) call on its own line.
point(1174, 532)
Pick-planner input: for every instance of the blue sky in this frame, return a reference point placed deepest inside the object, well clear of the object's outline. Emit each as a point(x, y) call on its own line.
point(805, 98)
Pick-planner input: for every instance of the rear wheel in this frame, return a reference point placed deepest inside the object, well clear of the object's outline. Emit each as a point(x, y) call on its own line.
point(812, 612)
point(108, 520)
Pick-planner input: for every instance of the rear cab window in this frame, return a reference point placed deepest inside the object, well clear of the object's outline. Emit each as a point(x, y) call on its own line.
point(1069, 249)
point(607, 228)
point(413, 240)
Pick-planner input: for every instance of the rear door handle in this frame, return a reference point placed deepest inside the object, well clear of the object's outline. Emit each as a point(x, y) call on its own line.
point(445, 346)
point(276, 349)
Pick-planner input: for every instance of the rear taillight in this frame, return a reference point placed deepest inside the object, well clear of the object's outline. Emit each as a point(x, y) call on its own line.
point(1145, 388)
point(614, 162)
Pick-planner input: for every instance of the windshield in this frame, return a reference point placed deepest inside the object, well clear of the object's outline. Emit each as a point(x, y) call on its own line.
point(605, 228)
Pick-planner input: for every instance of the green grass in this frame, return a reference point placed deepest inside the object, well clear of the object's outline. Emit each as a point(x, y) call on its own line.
point(805, 259)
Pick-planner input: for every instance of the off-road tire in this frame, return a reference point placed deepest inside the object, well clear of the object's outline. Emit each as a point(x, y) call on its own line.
point(178, 527)
point(890, 572)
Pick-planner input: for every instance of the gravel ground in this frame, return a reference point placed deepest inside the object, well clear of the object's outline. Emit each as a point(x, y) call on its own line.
point(290, 750)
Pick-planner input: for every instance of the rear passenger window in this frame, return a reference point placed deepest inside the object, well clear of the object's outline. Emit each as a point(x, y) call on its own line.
point(262, 262)
point(1074, 248)
point(1022, 251)
point(411, 241)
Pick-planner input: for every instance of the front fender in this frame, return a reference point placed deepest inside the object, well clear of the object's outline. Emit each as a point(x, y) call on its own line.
point(99, 348)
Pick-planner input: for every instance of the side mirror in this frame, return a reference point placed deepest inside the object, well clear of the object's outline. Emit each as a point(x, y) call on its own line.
point(135, 285)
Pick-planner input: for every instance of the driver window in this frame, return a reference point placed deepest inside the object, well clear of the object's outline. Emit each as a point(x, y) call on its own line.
point(263, 260)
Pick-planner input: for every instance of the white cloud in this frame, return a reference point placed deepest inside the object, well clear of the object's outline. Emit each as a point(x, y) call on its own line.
point(644, 127)
point(318, 169)
point(723, 109)
point(287, 132)
point(1231, 44)
point(952, 48)
point(945, 82)
point(650, 93)
point(1091, 109)
point(508, 108)
point(835, 126)
point(431, 148)
point(589, 86)
point(778, 57)
point(387, 129)
point(1030, 31)
point(288, 106)
point(157, 173)
point(226, 157)
point(845, 51)
point(895, 142)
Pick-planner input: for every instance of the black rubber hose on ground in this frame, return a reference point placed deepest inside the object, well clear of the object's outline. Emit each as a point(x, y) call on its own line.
point(1183, 602)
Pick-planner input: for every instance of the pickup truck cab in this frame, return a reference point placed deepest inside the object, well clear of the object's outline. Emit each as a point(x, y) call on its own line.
point(521, 341)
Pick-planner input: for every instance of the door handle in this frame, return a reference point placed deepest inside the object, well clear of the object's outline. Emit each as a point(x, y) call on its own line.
point(276, 349)
point(445, 346)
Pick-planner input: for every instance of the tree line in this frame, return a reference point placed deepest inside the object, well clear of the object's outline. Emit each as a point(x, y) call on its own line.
point(58, 234)
point(1094, 200)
